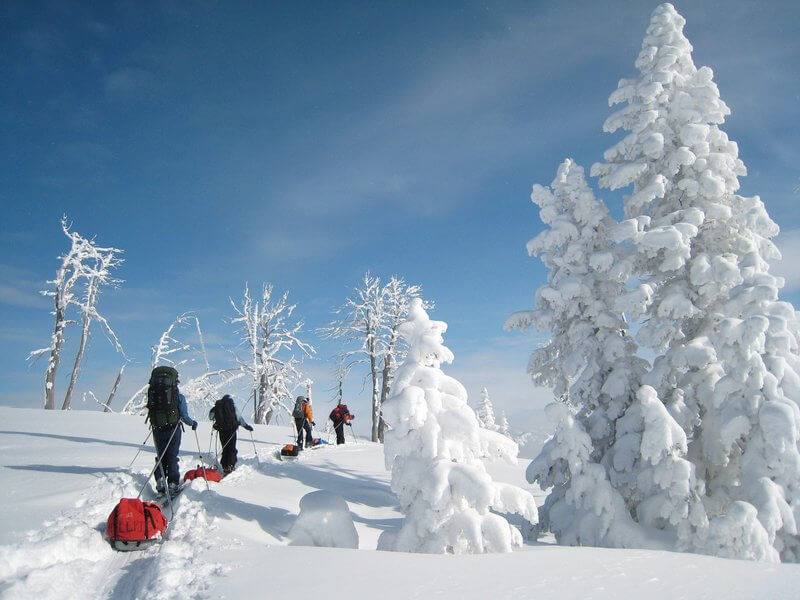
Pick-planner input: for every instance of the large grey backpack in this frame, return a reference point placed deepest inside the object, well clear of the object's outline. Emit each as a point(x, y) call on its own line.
point(298, 412)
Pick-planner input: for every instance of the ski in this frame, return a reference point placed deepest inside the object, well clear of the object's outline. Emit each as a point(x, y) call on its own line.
point(162, 498)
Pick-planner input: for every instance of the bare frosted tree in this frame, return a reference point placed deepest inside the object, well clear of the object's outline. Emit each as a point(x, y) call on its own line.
point(370, 319)
point(270, 332)
point(98, 273)
point(173, 351)
point(88, 264)
point(360, 326)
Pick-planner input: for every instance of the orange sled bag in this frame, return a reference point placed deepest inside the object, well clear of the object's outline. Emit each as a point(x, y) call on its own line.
point(135, 525)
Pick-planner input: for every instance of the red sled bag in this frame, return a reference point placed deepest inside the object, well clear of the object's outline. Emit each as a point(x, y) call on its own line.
point(135, 525)
point(210, 474)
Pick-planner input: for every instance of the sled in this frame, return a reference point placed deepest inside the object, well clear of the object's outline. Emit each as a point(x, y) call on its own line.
point(317, 443)
point(135, 525)
point(289, 452)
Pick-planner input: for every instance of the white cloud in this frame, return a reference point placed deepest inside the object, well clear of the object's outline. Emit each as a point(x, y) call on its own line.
point(20, 288)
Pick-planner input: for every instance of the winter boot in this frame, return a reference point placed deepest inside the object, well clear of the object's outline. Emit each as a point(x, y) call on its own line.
point(160, 486)
point(173, 488)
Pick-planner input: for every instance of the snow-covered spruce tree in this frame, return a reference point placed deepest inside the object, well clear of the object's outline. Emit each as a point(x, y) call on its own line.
point(434, 451)
point(88, 264)
point(502, 427)
point(615, 466)
point(271, 334)
point(727, 349)
point(485, 411)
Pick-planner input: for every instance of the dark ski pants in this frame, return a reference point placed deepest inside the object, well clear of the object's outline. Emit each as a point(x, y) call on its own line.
point(338, 426)
point(169, 462)
point(303, 425)
point(228, 440)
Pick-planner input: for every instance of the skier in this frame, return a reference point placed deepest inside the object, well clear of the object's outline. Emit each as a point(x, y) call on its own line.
point(303, 420)
point(340, 416)
point(166, 409)
point(226, 419)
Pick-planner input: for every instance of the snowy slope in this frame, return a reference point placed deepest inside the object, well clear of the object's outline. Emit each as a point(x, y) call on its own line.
point(62, 474)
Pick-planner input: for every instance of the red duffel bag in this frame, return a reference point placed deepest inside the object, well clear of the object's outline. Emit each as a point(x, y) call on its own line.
point(135, 525)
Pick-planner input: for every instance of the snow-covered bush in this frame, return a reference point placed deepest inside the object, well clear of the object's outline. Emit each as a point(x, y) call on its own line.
point(324, 520)
point(434, 451)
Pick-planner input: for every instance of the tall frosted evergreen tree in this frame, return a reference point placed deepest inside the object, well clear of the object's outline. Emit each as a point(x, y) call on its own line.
point(726, 348)
point(615, 468)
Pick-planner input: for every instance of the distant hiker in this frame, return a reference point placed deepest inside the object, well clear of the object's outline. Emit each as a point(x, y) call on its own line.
point(303, 420)
point(226, 419)
point(166, 408)
point(340, 416)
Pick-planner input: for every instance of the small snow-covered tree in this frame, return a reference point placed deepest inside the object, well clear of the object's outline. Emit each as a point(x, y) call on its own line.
point(726, 348)
point(434, 450)
point(89, 265)
point(502, 427)
point(271, 334)
point(485, 411)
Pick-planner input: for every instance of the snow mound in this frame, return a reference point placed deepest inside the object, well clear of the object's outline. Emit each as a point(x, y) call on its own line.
point(324, 520)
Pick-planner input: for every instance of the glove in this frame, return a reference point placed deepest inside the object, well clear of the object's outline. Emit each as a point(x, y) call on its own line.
point(194, 425)
point(313, 423)
point(248, 427)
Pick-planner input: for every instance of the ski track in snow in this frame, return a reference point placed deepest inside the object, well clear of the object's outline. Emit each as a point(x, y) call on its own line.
point(73, 550)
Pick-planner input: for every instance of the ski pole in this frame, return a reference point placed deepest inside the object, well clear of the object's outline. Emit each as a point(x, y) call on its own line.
point(149, 433)
point(200, 454)
point(158, 462)
point(353, 433)
point(254, 448)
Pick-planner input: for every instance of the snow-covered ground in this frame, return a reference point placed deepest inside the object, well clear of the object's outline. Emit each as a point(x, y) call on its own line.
point(62, 473)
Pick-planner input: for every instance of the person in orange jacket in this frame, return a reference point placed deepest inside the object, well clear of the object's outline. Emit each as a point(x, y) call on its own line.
point(303, 420)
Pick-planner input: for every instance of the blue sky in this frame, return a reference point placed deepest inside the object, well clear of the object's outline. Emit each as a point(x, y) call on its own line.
point(302, 143)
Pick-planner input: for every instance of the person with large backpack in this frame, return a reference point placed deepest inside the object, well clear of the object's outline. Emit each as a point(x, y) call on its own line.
point(226, 419)
point(303, 420)
point(340, 416)
point(166, 409)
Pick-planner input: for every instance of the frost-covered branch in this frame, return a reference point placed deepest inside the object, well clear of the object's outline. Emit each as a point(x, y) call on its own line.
point(271, 333)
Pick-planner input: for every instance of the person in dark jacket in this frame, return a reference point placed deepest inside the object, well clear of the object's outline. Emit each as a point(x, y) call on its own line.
point(340, 415)
point(167, 428)
point(226, 419)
